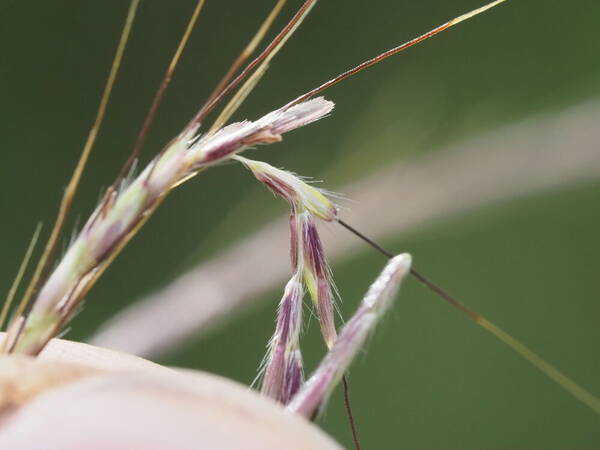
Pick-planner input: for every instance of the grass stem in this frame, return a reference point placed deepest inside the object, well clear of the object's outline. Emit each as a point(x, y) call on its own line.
point(568, 384)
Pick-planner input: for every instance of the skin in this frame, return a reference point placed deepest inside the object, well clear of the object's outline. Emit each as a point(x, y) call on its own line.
point(77, 396)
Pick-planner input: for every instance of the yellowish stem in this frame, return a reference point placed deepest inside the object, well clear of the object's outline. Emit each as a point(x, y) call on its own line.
point(547, 369)
point(85, 153)
point(19, 277)
point(251, 82)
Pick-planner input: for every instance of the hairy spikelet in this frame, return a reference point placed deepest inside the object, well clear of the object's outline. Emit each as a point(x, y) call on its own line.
point(352, 337)
point(120, 213)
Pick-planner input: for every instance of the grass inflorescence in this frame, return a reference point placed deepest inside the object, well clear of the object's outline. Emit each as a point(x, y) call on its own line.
point(53, 296)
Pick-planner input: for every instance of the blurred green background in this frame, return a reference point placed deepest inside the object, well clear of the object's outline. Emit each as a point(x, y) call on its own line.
point(430, 379)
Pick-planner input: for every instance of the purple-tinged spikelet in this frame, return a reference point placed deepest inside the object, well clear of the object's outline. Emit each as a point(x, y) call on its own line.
point(308, 203)
point(317, 277)
point(236, 137)
point(295, 240)
point(292, 188)
point(283, 369)
point(286, 119)
point(352, 338)
point(120, 213)
point(283, 366)
point(293, 377)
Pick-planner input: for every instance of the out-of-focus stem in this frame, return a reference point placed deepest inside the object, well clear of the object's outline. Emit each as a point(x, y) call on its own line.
point(15, 285)
point(248, 50)
point(158, 97)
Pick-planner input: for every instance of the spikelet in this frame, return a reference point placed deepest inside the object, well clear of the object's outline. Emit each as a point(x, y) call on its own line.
point(234, 138)
point(283, 373)
point(119, 214)
point(283, 369)
point(309, 202)
point(292, 188)
point(350, 342)
point(318, 278)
